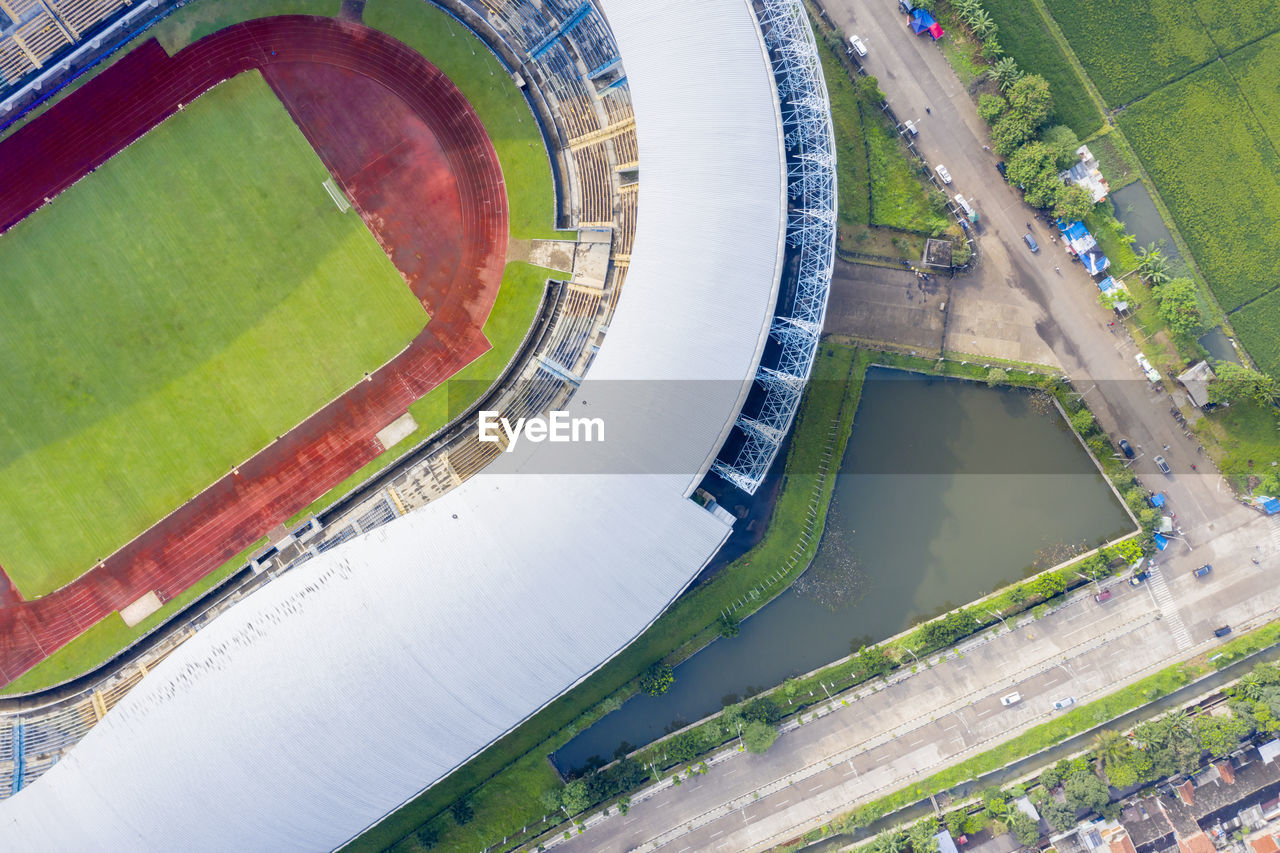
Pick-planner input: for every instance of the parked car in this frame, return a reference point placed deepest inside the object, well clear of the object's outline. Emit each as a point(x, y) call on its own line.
point(857, 45)
point(1203, 571)
point(1103, 596)
point(1126, 448)
point(1031, 243)
point(911, 127)
point(1138, 578)
point(905, 6)
point(943, 174)
point(1163, 465)
point(1222, 632)
point(1064, 703)
point(1002, 168)
point(1012, 699)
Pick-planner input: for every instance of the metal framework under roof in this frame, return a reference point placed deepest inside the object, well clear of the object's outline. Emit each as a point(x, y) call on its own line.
point(811, 234)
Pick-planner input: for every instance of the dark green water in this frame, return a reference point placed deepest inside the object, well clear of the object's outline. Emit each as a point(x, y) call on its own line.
point(948, 490)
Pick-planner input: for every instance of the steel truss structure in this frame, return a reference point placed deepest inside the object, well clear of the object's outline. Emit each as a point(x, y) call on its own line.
point(811, 237)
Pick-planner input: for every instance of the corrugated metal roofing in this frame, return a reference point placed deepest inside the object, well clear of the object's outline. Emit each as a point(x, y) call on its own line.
point(344, 687)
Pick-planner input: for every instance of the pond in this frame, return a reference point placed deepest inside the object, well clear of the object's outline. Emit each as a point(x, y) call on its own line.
point(1134, 207)
point(1219, 345)
point(948, 490)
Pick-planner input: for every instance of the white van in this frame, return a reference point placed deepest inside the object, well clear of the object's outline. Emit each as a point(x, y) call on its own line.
point(858, 47)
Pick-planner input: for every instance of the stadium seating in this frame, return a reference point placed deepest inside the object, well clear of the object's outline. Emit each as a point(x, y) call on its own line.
point(595, 185)
point(542, 375)
point(81, 15)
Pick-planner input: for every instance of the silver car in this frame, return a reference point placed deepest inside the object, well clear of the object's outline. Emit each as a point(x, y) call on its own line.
point(943, 174)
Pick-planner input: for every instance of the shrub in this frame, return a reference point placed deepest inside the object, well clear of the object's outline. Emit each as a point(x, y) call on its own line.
point(757, 736)
point(729, 625)
point(657, 679)
point(1083, 422)
point(462, 811)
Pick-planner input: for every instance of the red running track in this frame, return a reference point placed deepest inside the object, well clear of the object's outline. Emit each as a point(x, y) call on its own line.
point(416, 162)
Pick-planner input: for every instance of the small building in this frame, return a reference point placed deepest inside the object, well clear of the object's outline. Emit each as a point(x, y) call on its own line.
point(1086, 174)
point(1269, 751)
point(1195, 379)
point(945, 842)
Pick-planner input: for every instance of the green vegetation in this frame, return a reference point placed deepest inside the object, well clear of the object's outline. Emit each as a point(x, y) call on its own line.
point(197, 20)
point(501, 106)
point(513, 313)
point(1258, 327)
point(1232, 23)
point(758, 736)
point(657, 679)
point(508, 794)
point(854, 185)
point(1248, 440)
point(153, 359)
point(1199, 142)
point(886, 204)
point(1025, 36)
point(1130, 48)
point(110, 635)
point(899, 197)
point(797, 695)
point(1116, 159)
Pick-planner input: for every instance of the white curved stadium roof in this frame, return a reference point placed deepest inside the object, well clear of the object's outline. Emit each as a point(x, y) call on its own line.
point(341, 689)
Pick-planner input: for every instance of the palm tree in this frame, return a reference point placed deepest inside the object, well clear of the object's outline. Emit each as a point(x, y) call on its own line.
point(1153, 265)
point(921, 835)
point(1006, 73)
point(981, 23)
point(1112, 748)
point(1251, 686)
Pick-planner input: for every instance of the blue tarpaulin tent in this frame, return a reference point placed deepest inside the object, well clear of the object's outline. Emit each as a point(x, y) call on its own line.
point(923, 22)
point(1272, 506)
point(1161, 542)
point(1157, 499)
point(1094, 261)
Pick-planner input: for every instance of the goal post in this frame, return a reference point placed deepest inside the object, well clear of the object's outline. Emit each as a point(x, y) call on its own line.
point(331, 187)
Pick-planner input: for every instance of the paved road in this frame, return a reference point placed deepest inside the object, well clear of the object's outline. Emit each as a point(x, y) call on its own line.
point(890, 735)
point(1067, 317)
point(885, 738)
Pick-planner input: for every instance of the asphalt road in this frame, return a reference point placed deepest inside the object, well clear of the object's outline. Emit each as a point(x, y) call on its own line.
point(883, 739)
point(1100, 359)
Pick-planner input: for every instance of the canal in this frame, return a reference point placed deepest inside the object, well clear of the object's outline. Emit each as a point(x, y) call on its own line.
point(948, 490)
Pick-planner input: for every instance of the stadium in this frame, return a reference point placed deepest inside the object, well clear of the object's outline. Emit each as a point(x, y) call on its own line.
point(263, 271)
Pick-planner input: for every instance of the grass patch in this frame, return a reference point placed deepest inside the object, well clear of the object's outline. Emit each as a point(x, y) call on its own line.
point(1116, 160)
point(832, 396)
point(209, 308)
point(1130, 48)
point(501, 106)
point(1024, 34)
point(899, 196)
point(853, 187)
point(110, 635)
point(1243, 433)
point(195, 21)
point(513, 313)
point(1258, 326)
point(1199, 142)
point(1232, 23)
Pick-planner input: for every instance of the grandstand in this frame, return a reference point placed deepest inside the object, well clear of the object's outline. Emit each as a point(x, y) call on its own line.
point(39, 32)
point(487, 549)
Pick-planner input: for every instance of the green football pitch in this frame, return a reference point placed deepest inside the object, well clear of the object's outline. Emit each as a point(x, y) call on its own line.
point(169, 316)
